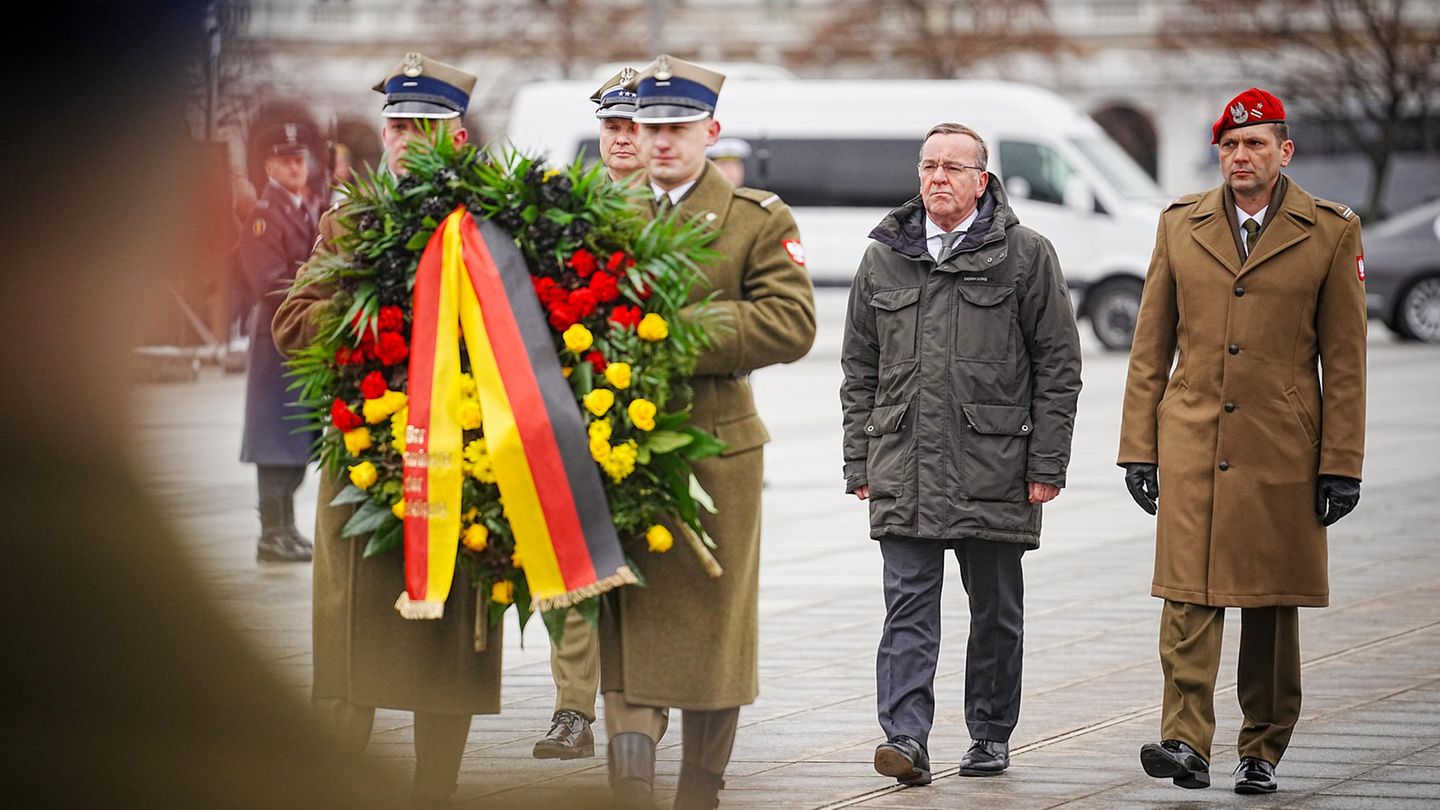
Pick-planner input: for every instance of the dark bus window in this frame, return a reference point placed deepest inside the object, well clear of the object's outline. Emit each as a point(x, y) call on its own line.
point(848, 172)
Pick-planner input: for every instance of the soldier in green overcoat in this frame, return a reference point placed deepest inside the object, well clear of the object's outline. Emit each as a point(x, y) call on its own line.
point(689, 641)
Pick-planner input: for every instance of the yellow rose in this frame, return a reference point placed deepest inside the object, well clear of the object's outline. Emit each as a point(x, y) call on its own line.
point(652, 327)
point(599, 429)
point(476, 537)
point(379, 409)
point(578, 338)
point(398, 509)
point(469, 415)
point(566, 371)
point(642, 414)
point(502, 592)
point(357, 440)
point(599, 448)
point(659, 539)
point(364, 475)
point(467, 385)
point(599, 401)
point(516, 561)
point(618, 375)
point(397, 428)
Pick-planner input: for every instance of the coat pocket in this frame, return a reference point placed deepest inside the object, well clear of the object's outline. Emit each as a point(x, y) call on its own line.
point(889, 451)
point(993, 452)
point(896, 323)
point(983, 319)
point(1302, 415)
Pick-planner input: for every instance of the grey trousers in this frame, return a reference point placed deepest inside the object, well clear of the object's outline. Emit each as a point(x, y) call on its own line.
point(910, 642)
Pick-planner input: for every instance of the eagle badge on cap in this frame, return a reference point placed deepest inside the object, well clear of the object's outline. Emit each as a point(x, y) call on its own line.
point(628, 75)
point(413, 66)
point(1238, 113)
point(662, 68)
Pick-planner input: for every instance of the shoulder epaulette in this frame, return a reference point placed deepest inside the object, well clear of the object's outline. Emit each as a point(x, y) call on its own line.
point(1185, 199)
point(262, 204)
point(1342, 210)
point(759, 196)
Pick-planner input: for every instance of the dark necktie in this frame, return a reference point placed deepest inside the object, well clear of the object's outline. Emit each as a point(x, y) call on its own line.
point(947, 241)
point(663, 204)
point(1252, 235)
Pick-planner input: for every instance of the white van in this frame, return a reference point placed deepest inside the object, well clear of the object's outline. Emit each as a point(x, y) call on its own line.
point(842, 153)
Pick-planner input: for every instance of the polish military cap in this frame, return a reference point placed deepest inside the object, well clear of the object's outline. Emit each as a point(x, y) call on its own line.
point(421, 87)
point(284, 139)
point(673, 91)
point(1254, 106)
point(615, 100)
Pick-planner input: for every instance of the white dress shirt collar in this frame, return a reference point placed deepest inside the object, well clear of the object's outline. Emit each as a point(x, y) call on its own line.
point(933, 232)
point(675, 193)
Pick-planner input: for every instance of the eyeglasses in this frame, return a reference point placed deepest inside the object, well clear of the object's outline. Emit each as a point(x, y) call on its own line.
point(951, 169)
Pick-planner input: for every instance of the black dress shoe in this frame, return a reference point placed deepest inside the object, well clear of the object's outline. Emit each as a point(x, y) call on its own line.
point(985, 758)
point(1254, 775)
point(570, 737)
point(1176, 761)
point(904, 759)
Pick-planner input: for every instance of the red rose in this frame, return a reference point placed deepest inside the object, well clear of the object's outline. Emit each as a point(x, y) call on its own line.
point(391, 319)
point(597, 361)
point(365, 350)
point(584, 303)
point(391, 348)
point(550, 292)
point(605, 287)
point(342, 417)
point(619, 261)
point(626, 316)
point(374, 385)
point(562, 316)
point(342, 356)
point(582, 262)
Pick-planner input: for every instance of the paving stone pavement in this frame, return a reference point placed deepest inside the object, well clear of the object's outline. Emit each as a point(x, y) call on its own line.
point(1369, 736)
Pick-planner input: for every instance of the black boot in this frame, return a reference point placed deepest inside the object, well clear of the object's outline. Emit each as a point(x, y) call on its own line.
point(276, 487)
point(297, 539)
point(631, 757)
point(275, 544)
point(699, 789)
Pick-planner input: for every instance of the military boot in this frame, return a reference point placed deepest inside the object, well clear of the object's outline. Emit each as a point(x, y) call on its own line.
point(275, 544)
point(699, 789)
point(631, 757)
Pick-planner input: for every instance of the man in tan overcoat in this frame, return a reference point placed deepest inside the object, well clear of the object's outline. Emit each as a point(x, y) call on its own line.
point(575, 657)
point(1257, 286)
point(688, 641)
point(366, 655)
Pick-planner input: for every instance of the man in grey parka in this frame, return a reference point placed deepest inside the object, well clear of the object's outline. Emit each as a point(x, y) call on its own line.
point(962, 371)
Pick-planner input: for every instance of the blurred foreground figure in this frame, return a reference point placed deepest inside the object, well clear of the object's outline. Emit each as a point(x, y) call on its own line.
point(1257, 286)
point(124, 686)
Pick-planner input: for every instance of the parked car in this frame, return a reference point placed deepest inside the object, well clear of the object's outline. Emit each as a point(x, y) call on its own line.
point(1402, 272)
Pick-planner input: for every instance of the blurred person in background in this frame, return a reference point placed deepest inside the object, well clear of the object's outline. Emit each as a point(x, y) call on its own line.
point(276, 241)
point(1257, 287)
point(729, 155)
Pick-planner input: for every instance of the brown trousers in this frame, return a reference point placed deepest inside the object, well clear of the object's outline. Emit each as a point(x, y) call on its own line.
point(1268, 676)
point(575, 665)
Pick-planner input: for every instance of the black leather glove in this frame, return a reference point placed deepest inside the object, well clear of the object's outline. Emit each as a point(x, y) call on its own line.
point(1335, 497)
point(1143, 480)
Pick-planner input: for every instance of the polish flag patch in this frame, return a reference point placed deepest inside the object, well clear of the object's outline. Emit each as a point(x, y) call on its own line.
point(796, 250)
point(1360, 266)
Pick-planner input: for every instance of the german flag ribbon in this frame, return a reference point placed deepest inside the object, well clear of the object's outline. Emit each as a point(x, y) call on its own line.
point(473, 282)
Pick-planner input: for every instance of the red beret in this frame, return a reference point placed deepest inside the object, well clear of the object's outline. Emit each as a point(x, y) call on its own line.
point(1254, 106)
